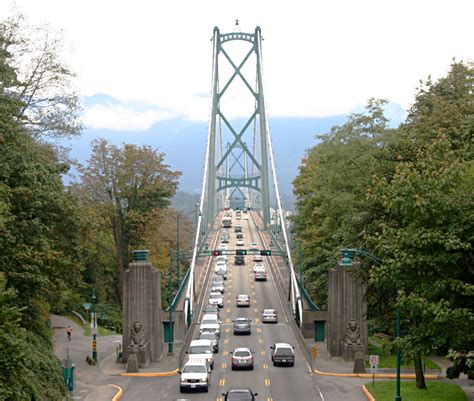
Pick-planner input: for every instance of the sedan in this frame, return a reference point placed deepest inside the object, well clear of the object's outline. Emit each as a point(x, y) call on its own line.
point(269, 316)
point(242, 325)
point(211, 309)
point(254, 245)
point(218, 287)
point(258, 258)
point(242, 358)
point(216, 298)
point(239, 394)
point(243, 300)
point(283, 354)
point(240, 242)
point(258, 266)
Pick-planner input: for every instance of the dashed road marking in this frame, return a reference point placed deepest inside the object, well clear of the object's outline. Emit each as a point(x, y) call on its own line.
point(265, 366)
point(225, 353)
point(267, 382)
point(255, 310)
point(254, 301)
point(227, 320)
point(224, 365)
point(260, 340)
point(221, 382)
point(257, 320)
point(226, 341)
point(259, 330)
point(227, 330)
point(262, 353)
point(228, 310)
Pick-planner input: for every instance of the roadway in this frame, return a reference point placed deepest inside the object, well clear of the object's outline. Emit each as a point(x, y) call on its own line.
point(271, 383)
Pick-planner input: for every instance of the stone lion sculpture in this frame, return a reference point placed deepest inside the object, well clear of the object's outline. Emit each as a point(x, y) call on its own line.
point(352, 337)
point(137, 337)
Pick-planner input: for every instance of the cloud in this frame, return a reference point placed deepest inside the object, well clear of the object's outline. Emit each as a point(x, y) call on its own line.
point(123, 117)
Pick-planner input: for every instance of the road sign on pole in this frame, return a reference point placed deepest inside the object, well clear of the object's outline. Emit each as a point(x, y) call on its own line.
point(374, 361)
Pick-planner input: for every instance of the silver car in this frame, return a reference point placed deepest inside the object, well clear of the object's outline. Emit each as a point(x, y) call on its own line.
point(269, 316)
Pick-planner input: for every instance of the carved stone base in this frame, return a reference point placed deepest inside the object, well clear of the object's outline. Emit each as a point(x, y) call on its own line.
point(142, 354)
point(349, 351)
point(359, 366)
point(132, 364)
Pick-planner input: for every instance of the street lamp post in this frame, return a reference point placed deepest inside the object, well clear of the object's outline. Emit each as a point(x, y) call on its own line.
point(94, 327)
point(177, 250)
point(347, 256)
point(170, 326)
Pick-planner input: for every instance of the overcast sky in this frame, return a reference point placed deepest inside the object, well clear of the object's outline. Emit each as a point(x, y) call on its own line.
point(320, 58)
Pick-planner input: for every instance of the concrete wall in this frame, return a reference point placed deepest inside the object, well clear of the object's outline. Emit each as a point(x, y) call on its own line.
point(142, 301)
point(309, 317)
point(179, 326)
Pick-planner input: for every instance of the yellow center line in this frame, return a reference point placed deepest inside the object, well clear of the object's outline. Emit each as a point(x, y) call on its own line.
point(260, 340)
point(269, 399)
point(253, 292)
point(265, 366)
point(262, 353)
point(226, 341)
point(225, 353)
point(227, 320)
point(221, 382)
point(228, 310)
point(259, 330)
point(257, 320)
point(267, 382)
point(255, 310)
point(254, 301)
point(224, 365)
point(229, 301)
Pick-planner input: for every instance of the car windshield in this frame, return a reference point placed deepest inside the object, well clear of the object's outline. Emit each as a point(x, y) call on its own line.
point(215, 296)
point(209, 321)
point(243, 297)
point(241, 320)
point(239, 396)
point(242, 353)
point(200, 349)
point(284, 351)
point(269, 312)
point(194, 369)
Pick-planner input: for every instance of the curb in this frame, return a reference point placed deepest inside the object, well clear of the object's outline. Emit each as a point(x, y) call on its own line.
point(118, 394)
point(378, 375)
point(369, 396)
point(155, 374)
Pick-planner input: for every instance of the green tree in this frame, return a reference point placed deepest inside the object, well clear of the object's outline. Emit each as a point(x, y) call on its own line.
point(423, 230)
point(50, 104)
point(330, 191)
point(127, 185)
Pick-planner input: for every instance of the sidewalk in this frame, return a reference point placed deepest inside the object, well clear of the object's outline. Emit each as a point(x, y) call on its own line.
point(93, 382)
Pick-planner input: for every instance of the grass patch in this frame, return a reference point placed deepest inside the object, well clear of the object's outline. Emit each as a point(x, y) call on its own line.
point(388, 360)
point(436, 391)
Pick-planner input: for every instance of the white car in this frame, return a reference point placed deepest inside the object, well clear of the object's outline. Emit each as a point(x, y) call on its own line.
point(254, 245)
point(258, 266)
point(202, 349)
point(222, 247)
point(258, 258)
point(220, 258)
point(196, 374)
point(240, 242)
point(216, 298)
point(210, 322)
point(220, 268)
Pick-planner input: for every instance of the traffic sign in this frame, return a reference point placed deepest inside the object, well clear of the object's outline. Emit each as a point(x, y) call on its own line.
point(374, 361)
point(314, 351)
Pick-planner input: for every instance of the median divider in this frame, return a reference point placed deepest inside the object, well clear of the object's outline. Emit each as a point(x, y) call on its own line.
point(377, 375)
point(151, 374)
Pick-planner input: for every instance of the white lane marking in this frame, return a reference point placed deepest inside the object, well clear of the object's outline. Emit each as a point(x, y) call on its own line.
point(320, 394)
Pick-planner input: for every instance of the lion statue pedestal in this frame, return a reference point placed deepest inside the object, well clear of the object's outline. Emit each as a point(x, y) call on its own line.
point(352, 344)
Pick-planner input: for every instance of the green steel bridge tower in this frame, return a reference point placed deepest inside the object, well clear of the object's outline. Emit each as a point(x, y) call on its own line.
point(236, 172)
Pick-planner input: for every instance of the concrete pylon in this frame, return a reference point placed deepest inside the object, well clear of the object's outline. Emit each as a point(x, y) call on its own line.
point(347, 313)
point(142, 303)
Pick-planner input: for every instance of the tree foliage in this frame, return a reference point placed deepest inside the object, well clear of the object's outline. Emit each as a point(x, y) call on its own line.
point(411, 204)
point(128, 186)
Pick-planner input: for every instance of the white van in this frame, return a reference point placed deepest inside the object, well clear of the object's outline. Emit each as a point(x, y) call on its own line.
point(195, 374)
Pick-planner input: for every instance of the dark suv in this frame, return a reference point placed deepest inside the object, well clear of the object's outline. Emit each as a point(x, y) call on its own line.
point(239, 260)
point(283, 354)
point(239, 394)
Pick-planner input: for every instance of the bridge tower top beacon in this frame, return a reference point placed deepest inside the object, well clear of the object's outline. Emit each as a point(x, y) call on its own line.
point(237, 151)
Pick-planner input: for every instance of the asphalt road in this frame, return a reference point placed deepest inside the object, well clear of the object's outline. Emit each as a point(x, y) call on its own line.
point(271, 383)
